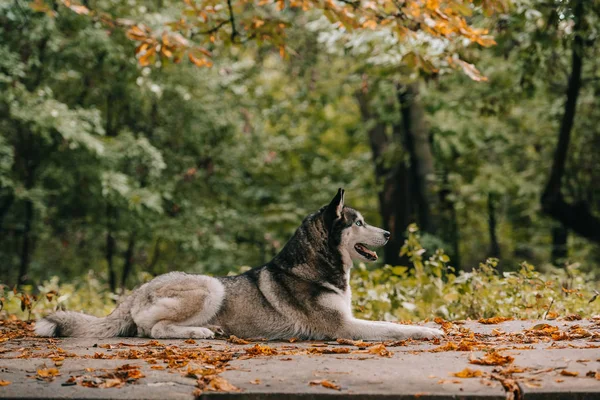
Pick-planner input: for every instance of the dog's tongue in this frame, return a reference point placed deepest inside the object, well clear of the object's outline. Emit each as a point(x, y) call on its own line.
point(363, 249)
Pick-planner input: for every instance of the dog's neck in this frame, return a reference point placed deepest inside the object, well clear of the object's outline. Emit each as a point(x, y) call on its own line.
point(310, 255)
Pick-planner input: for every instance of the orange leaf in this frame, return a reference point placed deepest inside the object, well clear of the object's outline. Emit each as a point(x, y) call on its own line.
point(564, 372)
point(492, 358)
point(136, 33)
point(468, 373)
point(494, 320)
point(325, 383)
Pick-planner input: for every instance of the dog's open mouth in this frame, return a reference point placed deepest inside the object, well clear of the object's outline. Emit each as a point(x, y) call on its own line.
point(365, 252)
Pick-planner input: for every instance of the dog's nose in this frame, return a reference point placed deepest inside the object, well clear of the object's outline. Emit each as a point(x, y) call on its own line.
point(386, 235)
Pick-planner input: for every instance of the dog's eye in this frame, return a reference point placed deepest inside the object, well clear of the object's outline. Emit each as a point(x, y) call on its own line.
point(359, 223)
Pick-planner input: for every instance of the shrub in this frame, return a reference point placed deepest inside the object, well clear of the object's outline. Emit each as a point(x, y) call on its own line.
point(431, 288)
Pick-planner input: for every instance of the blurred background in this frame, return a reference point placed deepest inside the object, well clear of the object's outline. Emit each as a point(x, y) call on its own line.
point(128, 163)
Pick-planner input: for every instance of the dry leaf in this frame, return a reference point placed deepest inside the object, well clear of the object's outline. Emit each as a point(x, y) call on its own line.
point(48, 372)
point(468, 373)
point(494, 320)
point(236, 340)
point(261, 350)
point(564, 372)
point(357, 343)
point(380, 350)
point(5, 383)
point(325, 383)
point(492, 358)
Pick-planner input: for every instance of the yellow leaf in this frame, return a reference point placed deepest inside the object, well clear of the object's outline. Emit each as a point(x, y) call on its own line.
point(48, 372)
point(148, 57)
point(136, 33)
point(5, 383)
point(468, 373)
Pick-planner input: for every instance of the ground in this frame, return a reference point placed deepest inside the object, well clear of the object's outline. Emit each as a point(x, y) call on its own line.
point(491, 359)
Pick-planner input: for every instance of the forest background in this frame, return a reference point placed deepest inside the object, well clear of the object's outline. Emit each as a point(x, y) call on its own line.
point(141, 137)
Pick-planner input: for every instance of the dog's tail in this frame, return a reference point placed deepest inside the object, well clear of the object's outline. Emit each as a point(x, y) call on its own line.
point(76, 324)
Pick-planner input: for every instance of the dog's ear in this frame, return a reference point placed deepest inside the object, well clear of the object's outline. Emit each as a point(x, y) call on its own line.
point(334, 209)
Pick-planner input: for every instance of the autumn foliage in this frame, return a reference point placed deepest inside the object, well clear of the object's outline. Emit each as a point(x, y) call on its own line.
point(206, 25)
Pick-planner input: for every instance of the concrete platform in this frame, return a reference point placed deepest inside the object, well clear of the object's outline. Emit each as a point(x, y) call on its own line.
point(541, 359)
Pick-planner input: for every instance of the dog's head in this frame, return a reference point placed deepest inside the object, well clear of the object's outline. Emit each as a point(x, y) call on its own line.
point(349, 232)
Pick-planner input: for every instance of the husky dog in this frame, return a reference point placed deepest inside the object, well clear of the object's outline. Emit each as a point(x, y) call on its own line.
point(303, 292)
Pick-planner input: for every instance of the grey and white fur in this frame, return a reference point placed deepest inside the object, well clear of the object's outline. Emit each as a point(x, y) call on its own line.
point(303, 292)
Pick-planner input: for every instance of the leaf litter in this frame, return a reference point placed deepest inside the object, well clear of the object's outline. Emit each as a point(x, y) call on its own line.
point(206, 363)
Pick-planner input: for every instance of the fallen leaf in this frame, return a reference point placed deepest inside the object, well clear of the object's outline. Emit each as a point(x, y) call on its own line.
point(357, 343)
point(5, 383)
point(48, 372)
point(325, 383)
point(494, 320)
point(533, 384)
point(492, 358)
point(446, 347)
point(216, 383)
point(564, 372)
point(380, 350)
point(261, 350)
point(468, 373)
point(112, 382)
point(236, 340)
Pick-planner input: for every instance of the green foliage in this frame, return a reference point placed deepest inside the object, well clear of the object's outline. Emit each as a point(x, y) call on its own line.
point(207, 169)
point(431, 288)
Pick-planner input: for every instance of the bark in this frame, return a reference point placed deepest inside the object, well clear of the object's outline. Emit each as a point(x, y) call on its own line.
point(448, 227)
point(560, 237)
point(155, 257)
point(417, 143)
point(494, 250)
point(5, 207)
point(575, 216)
point(110, 250)
point(394, 202)
point(26, 245)
point(30, 164)
point(128, 261)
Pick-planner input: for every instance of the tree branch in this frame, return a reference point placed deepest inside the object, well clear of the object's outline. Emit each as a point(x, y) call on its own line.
point(211, 30)
point(234, 32)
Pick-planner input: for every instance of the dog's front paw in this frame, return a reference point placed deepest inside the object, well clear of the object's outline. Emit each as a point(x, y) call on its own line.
point(428, 333)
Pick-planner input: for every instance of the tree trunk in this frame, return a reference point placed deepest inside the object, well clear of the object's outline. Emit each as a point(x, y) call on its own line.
point(5, 207)
point(492, 224)
point(155, 257)
point(26, 246)
point(448, 227)
point(417, 143)
point(394, 203)
point(578, 216)
point(110, 250)
point(560, 237)
point(128, 262)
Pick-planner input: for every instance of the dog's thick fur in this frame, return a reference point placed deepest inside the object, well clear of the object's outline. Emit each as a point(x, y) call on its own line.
point(303, 292)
